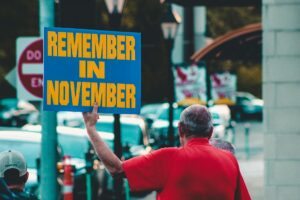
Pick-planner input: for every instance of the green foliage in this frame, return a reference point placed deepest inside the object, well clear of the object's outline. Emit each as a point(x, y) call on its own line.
point(221, 20)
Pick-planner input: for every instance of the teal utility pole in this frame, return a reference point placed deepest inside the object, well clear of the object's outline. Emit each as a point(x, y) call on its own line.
point(49, 189)
point(247, 145)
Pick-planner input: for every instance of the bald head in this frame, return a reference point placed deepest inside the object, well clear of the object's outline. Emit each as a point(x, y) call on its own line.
point(196, 121)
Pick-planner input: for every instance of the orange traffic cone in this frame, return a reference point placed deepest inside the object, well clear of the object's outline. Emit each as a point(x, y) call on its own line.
point(68, 179)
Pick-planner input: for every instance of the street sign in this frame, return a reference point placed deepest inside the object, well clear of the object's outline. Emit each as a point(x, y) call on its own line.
point(30, 68)
point(11, 77)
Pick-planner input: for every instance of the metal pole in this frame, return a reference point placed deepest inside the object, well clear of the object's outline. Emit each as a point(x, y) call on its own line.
point(232, 126)
point(49, 187)
point(208, 85)
point(169, 44)
point(115, 23)
point(118, 181)
point(189, 35)
point(247, 145)
point(89, 169)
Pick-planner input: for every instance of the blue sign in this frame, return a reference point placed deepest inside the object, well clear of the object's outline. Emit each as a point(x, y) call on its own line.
point(82, 67)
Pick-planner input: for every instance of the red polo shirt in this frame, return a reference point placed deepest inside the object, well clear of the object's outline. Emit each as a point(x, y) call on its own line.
point(195, 171)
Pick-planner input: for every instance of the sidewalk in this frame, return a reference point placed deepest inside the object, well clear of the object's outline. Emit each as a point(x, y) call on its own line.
point(253, 173)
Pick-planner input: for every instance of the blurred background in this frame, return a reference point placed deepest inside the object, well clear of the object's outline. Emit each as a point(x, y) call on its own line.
point(205, 52)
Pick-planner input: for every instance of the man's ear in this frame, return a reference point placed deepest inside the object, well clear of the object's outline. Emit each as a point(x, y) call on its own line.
point(180, 129)
point(26, 176)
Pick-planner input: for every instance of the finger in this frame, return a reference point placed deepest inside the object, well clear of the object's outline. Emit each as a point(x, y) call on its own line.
point(95, 108)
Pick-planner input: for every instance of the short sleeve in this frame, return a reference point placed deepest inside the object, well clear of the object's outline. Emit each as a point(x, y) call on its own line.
point(149, 172)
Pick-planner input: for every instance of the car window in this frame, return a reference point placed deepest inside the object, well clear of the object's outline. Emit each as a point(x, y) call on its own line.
point(216, 119)
point(130, 133)
point(150, 109)
point(11, 103)
point(215, 116)
point(7, 104)
point(30, 150)
point(164, 115)
point(73, 146)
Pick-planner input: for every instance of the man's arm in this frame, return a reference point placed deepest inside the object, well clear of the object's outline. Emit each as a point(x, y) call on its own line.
point(241, 192)
point(109, 159)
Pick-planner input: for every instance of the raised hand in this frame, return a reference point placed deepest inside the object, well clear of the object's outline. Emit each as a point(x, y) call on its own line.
point(91, 118)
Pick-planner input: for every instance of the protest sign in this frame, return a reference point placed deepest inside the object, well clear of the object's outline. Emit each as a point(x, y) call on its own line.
point(223, 88)
point(190, 82)
point(86, 66)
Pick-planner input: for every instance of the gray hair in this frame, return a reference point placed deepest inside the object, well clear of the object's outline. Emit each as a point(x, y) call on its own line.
point(196, 121)
point(222, 144)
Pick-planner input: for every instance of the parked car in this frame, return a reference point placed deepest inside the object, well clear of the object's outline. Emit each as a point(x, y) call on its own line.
point(134, 138)
point(223, 112)
point(71, 119)
point(219, 126)
point(74, 142)
point(247, 106)
point(14, 112)
point(150, 112)
point(134, 135)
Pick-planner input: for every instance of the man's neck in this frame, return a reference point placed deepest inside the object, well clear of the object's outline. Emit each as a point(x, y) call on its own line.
point(185, 139)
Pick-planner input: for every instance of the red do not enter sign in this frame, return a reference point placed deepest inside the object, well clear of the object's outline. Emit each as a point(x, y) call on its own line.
point(31, 67)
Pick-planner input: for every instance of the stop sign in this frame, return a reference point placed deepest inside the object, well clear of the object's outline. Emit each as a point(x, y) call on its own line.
point(30, 70)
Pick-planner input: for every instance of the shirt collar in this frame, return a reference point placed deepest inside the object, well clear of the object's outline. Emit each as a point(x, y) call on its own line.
point(197, 141)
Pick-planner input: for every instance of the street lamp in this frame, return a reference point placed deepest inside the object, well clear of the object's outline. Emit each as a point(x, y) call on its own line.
point(169, 27)
point(115, 8)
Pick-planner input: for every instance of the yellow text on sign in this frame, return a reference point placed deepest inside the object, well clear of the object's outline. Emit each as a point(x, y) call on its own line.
point(89, 69)
point(91, 45)
point(107, 95)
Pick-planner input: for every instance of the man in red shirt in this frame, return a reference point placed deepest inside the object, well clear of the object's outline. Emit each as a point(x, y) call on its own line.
point(194, 171)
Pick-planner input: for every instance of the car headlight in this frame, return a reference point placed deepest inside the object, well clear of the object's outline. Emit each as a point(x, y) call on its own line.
point(6, 115)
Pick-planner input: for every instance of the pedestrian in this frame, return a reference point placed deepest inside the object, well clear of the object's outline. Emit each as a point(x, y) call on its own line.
point(14, 172)
point(5, 193)
point(196, 170)
point(222, 144)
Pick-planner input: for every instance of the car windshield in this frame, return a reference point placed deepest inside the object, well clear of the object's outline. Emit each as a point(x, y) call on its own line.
point(150, 109)
point(130, 133)
point(216, 119)
point(30, 150)
point(164, 115)
point(73, 145)
point(8, 103)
